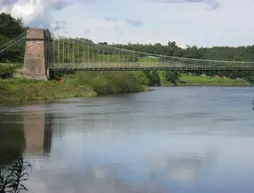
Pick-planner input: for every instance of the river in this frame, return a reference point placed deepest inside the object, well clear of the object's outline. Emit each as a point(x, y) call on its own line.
point(172, 139)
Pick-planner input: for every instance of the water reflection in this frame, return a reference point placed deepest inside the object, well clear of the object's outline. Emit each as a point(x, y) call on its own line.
point(80, 158)
point(182, 140)
point(13, 168)
point(13, 175)
point(12, 139)
point(157, 175)
point(21, 134)
point(183, 169)
point(38, 132)
point(31, 131)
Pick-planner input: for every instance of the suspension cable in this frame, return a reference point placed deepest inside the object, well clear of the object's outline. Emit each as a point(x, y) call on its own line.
point(13, 44)
point(159, 55)
point(17, 37)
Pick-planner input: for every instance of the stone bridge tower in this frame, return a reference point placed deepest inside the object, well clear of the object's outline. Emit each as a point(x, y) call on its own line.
point(38, 54)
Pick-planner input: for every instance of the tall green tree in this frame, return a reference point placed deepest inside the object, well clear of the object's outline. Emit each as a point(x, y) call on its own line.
point(9, 29)
point(172, 76)
point(153, 77)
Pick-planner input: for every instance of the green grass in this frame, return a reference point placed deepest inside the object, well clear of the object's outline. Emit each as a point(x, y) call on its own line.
point(189, 80)
point(206, 80)
point(82, 84)
point(22, 90)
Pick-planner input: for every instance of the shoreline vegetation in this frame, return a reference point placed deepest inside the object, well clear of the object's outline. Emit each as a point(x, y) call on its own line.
point(80, 84)
point(90, 84)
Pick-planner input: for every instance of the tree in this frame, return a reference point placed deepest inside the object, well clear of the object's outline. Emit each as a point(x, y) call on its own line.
point(172, 76)
point(10, 27)
point(153, 77)
point(250, 77)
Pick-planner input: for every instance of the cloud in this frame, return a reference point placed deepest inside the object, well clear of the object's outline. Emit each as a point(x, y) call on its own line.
point(213, 4)
point(60, 5)
point(110, 19)
point(87, 32)
point(36, 12)
point(7, 2)
point(134, 22)
point(117, 23)
point(183, 21)
point(59, 25)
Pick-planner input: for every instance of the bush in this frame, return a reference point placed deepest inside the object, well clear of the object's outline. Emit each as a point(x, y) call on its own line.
point(112, 82)
point(7, 70)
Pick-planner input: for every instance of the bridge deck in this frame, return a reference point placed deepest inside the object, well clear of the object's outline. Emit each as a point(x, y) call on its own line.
point(107, 66)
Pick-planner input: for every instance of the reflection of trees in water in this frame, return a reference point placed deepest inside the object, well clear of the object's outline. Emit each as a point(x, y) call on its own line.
point(13, 176)
point(12, 138)
point(29, 132)
point(13, 168)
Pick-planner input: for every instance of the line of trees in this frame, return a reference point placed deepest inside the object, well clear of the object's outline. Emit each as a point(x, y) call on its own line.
point(242, 53)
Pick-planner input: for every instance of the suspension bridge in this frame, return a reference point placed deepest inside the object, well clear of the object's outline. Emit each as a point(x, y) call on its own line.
point(46, 54)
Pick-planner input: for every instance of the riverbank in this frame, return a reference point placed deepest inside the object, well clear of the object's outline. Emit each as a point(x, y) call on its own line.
point(81, 84)
point(87, 84)
point(190, 80)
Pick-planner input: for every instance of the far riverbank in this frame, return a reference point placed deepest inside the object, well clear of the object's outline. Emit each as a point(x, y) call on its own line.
point(191, 80)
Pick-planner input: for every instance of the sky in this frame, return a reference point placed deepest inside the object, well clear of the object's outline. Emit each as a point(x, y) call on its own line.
point(204, 23)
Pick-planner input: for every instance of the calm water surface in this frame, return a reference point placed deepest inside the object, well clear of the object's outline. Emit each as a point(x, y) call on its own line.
point(179, 140)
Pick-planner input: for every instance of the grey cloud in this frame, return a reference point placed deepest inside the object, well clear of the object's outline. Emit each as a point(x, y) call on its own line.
point(59, 5)
point(133, 22)
point(213, 4)
point(7, 2)
point(59, 25)
point(110, 19)
point(87, 31)
point(116, 28)
point(45, 21)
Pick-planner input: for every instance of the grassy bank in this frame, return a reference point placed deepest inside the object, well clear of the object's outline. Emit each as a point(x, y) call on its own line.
point(189, 80)
point(211, 81)
point(82, 84)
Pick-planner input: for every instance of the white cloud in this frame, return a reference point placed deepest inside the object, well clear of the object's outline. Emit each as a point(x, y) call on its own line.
point(188, 22)
point(28, 10)
point(31, 10)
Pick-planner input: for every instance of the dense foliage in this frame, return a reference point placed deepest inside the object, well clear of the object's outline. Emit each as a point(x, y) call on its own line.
point(9, 29)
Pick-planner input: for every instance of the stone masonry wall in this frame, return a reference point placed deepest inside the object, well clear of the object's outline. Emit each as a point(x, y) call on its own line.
point(37, 54)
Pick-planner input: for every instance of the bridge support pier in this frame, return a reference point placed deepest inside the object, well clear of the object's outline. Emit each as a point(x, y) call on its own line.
point(38, 54)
